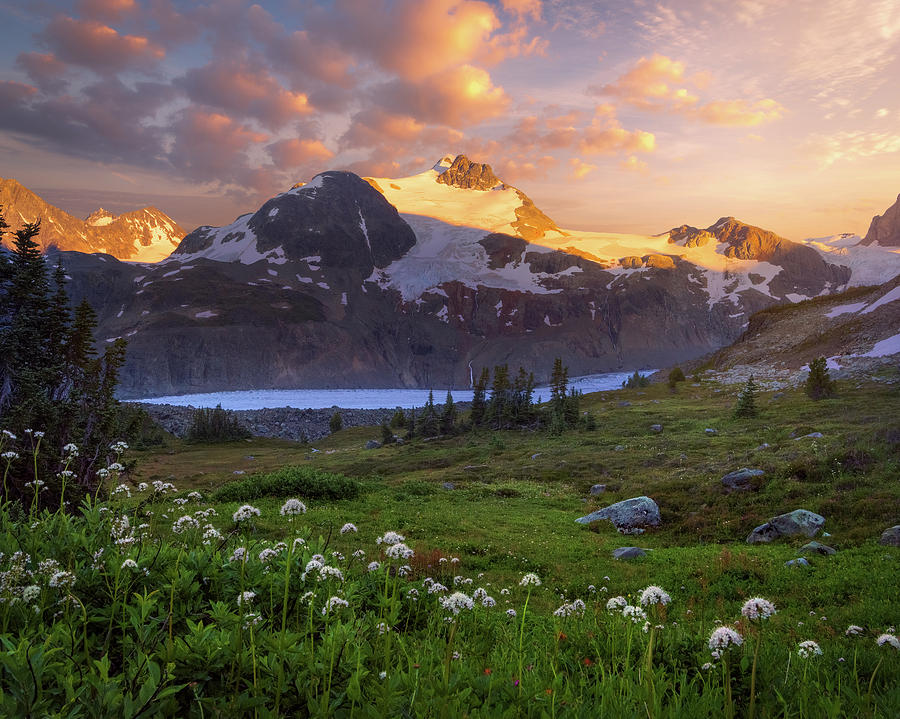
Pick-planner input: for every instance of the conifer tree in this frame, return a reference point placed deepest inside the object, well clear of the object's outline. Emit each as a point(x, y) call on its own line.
point(336, 423)
point(479, 406)
point(819, 384)
point(448, 415)
point(498, 406)
point(429, 423)
point(746, 401)
point(398, 421)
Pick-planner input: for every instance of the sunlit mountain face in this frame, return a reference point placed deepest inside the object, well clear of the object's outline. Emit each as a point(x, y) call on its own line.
point(618, 117)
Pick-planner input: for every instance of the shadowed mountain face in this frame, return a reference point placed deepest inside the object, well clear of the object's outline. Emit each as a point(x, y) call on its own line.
point(420, 282)
point(146, 235)
point(885, 229)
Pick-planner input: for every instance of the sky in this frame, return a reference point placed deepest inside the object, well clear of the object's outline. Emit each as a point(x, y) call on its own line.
point(611, 115)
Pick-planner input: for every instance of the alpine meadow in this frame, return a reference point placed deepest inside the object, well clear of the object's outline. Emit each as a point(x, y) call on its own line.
point(307, 409)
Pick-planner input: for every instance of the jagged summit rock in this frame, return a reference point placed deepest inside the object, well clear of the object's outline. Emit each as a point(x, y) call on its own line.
point(688, 236)
point(468, 175)
point(100, 218)
point(885, 229)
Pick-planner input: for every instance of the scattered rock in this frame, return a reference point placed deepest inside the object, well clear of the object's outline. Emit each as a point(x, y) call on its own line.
point(800, 521)
point(598, 489)
point(627, 514)
point(656, 428)
point(891, 536)
point(741, 480)
point(817, 548)
point(250, 456)
point(471, 467)
point(710, 430)
point(811, 435)
point(373, 444)
point(239, 471)
point(448, 485)
point(536, 455)
point(798, 562)
point(764, 445)
point(624, 403)
point(778, 395)
point(619, 448)
point(629, 553)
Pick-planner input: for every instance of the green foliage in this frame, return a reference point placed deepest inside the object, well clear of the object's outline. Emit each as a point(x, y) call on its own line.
point(305, 482)
point(819, 384)
point(387, 434)
point(448, 415)
point(429, 422)
point(636, 381)
point(51, 379)
point(398, 421)
point(336, 423)
point(676, 375)
point(746, 401)
point(216, 425)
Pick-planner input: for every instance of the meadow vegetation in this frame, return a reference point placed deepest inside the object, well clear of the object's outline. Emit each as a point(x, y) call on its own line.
point(446, 576)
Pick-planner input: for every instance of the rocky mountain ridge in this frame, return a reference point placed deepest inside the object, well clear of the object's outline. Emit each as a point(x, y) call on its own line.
point(885, 229)
point(146, 235)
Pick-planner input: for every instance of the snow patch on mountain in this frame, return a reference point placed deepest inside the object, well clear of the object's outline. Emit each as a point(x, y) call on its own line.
point(869, 264)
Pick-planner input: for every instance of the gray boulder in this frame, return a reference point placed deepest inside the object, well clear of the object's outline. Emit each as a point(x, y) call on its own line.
point(741, 480)
point(799, 562)
point(800, 521)
point(598, 489)
point(811, 435)
point(891, 536)
point(373, 444)
point(817, 548)
point(636, 512)
point(448, 485)
point(656, 428)
point(629, 553)
point(711, 431)
point(624, 403)
point(619, 448)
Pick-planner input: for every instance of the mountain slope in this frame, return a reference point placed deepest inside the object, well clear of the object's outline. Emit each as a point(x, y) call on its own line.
point(885, 229)
point(146, 235)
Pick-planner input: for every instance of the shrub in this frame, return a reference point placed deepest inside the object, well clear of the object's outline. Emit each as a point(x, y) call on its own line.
point(676, 376)
point(635, 381)
point(305, 482)
point(819, 384)
point(216, 425)
point(335, 424)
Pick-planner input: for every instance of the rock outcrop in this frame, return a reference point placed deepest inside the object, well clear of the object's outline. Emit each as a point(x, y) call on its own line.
point(885, 229)
point(742, 479)
point(800, 521)
point(629, 514)
point(468, 175)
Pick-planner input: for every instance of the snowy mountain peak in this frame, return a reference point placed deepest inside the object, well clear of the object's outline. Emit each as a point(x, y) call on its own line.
point(443, 164)
point(100, 218)
point(468, 175)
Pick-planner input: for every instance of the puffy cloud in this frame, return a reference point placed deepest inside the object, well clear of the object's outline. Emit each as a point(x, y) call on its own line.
point(850, 146)
point(105, 9)
point(606, 136)
point(246, 90)
point(44, 69)
point(92, 44)
point(580, 169)
point(739, 112)
point(212, 146)
point(293, 153)
point(458, 97)
point(523, 7)
point(652, 84)
point(633, 164)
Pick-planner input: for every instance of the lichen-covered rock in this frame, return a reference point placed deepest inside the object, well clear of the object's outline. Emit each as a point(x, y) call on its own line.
point(817, 548)
point(629, 553)
point(598, 489)
point(637, 512)
point(800, 521)
point(742, 479)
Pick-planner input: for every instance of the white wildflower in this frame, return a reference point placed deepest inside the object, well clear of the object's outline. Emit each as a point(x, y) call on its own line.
point(142, 487)
point(456, 602)
point(9, 456)
point(334, 603)
point(293, 507)
point(373, 567)
point(654, 595)
point(348, 528)
point(722, 638)
point(185, 524)
point(616, 604)
point(9, 435)
point(390, 538)
point(399, 551)
point(239, 555)
point(511, 613)
point(758, 608)
point(412, 594)
point(129, 564)
point(436, 588)
point(211, 534)
point(245, 512)
point(70, 450)
point(63, 580)
point(118, 447)
point(359, 554)
point(330, 573)
point(382, 628)
point(854, 630)
point(808, 649)
point(245, 598)
point(488, 602)
point(530, 580)
point(31, 593)
point(888, 639)
point(634, 613)
point(267, 555)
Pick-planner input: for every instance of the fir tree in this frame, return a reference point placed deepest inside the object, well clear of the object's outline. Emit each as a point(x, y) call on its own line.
point(398, 421)
point(819, 384)
point(676, 376)
point(479, 405)
point(429, 423)
point(335, 424)
point(499, 404)
point(387, 434)
point(448, 415)
point(746, 401)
